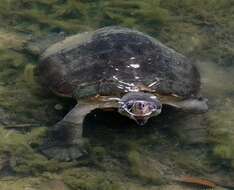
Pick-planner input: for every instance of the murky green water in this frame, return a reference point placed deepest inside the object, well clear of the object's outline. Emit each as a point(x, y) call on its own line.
point(119, 156)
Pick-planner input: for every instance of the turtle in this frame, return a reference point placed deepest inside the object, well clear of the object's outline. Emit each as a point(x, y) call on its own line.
point(114, 68)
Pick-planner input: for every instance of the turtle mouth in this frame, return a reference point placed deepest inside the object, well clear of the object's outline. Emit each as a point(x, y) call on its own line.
point(139, 117)
point(141, 120)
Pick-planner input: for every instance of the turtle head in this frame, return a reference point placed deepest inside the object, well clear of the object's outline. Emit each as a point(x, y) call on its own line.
point(139, 106)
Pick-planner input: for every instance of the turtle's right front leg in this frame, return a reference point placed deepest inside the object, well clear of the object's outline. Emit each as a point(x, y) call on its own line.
point(64, 141)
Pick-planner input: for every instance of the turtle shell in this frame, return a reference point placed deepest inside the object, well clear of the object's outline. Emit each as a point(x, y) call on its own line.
point(114, 60)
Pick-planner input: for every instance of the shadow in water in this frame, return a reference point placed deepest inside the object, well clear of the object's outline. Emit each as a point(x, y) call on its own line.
point(104, 126)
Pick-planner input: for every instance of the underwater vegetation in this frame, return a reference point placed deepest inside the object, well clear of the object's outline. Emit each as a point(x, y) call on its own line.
point(222, 132)
point(200, 29)
point(185, 25)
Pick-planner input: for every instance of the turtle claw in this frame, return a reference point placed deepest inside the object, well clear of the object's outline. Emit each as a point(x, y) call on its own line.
point(64, 152)
point(63, 149)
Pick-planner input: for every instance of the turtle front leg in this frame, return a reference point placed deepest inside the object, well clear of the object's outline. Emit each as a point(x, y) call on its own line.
point(64, 141)
point(191, 105)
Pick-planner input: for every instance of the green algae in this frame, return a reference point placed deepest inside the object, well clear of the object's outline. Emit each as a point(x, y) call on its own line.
point(177, 22)
point(86, 180)
point(32, 183)
point(146, 169)
point(222, 133)
point(22, 158)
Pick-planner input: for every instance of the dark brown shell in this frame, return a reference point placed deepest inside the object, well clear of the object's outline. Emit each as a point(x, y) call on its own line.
point(111, 59)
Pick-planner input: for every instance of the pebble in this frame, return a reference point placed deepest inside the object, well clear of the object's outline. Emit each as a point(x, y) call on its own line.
point(58, 107)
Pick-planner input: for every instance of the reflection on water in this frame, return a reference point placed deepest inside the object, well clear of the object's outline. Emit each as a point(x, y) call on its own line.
point(119, 154)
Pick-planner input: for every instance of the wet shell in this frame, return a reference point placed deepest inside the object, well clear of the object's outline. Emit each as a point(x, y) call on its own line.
point(115, 60)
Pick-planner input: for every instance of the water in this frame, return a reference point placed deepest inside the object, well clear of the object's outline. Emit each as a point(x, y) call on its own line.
point(120, 155)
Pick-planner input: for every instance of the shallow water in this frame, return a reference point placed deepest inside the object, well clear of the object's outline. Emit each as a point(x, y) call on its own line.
point(120, 155)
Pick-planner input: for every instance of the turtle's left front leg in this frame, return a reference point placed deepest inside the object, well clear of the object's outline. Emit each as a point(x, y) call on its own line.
point(193, 105)
point(64, 141)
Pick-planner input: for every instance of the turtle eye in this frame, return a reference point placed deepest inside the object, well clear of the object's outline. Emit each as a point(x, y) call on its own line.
point(129, 105)
point(159, 107)
point(153, 107)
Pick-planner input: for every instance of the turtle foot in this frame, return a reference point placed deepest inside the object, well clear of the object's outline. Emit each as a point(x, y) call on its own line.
point(63, 152)
point(64, 142)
